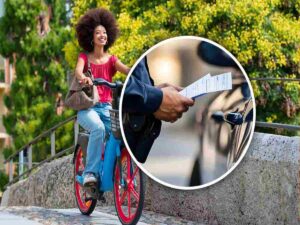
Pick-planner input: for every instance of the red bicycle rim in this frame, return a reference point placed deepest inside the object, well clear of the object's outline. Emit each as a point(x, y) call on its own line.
point(79, 192)
point(127, 199)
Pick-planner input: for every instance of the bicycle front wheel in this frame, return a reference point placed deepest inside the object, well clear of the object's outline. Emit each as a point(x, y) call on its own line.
point(128, 190)
point(85, 204)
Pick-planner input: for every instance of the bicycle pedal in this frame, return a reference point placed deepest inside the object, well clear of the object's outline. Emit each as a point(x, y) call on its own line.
point(90, 185)
point(92, 190)
point(89, 199)
point(102, 199)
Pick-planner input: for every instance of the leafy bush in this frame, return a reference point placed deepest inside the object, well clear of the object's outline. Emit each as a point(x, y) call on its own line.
point(263, 35)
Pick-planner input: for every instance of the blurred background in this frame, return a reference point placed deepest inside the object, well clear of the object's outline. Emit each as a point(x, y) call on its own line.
point(173, 154)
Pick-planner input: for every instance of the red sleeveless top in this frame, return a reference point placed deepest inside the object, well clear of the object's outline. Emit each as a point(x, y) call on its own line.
point(106, 71)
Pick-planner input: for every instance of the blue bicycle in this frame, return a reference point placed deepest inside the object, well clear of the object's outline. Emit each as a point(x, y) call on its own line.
point(117, 172)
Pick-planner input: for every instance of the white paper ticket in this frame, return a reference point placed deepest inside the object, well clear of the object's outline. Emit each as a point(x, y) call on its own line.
point(208, 84)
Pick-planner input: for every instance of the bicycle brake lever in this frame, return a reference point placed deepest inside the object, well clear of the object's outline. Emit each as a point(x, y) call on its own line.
point(233, 118)
point(218, 116)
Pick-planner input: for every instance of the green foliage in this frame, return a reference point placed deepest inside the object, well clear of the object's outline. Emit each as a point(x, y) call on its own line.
point(2, 76)
point(3, 180)
point(40, 72)
point(263, 35)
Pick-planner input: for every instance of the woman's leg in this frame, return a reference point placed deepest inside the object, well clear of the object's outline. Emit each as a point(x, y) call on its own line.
point(103, 110)
point(90, 120)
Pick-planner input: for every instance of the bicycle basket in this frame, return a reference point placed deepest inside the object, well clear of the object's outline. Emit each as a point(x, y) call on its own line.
point(115, 123)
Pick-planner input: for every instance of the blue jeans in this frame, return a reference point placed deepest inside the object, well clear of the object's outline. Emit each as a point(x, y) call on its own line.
point(96, 121)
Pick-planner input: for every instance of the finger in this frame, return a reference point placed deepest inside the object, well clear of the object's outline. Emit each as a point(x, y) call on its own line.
point(173, 120)
point(185, 108)
point(167, 119)
point(177, 88)
point(173, 116)
point(179, 115)
point(187, 101)
point(182, 108)
point(176, 115)
point(89, 81)
point(163, 85)
point(164, 117)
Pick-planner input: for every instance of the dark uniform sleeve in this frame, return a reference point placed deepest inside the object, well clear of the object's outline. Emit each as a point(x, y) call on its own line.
point(140, 95)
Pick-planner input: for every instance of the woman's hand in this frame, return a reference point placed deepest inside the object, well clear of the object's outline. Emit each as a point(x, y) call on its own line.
point(79, 73)
point(86, 80)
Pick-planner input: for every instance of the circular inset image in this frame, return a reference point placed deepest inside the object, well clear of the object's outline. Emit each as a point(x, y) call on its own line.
point(187, 112)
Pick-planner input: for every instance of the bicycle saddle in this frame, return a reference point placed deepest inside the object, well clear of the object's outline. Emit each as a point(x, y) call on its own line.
point(213, 55)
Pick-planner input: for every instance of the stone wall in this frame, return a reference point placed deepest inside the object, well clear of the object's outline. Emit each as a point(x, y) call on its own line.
point(50, 186)
point(263, 189)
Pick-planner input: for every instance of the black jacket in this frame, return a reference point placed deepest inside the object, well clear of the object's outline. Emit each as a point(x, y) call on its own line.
point(140, 95)
point(141, 99)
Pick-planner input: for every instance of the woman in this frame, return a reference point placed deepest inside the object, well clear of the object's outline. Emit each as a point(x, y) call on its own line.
point(96, 32)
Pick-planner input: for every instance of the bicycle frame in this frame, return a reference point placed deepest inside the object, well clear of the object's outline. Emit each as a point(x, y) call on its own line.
point(112, 154)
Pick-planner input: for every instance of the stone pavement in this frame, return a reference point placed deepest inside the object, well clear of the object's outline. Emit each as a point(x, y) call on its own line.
point(10, 219)
point(102, 215)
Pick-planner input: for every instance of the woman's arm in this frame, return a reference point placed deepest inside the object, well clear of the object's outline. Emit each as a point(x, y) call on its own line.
point(121, 67)
point(79, 72)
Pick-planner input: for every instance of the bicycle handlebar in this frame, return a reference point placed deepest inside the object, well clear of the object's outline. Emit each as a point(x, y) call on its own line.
point(100, 81)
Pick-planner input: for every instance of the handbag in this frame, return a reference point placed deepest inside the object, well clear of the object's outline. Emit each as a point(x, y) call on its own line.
point(82, 96)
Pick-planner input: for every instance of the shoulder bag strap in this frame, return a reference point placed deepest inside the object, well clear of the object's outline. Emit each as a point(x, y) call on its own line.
point(89, 65)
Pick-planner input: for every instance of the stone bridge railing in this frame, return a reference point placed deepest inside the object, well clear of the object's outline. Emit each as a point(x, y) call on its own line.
point(263, 189)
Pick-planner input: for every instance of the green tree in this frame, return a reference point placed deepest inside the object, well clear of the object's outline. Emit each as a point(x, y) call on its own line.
point(263, 35)
point(3, 180)
point(33, 33)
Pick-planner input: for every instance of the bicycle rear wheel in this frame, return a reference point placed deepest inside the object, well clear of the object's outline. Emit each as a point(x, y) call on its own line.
point(85, 204)
point(128, 191)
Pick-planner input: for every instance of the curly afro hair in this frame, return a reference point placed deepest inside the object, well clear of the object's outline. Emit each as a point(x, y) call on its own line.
point(89, 21)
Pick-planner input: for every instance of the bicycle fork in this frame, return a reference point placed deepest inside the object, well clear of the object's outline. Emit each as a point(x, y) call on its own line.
point(123, 183)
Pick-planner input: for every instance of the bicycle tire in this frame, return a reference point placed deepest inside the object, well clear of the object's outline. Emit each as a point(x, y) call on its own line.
point(85, 207)
point(134, 218)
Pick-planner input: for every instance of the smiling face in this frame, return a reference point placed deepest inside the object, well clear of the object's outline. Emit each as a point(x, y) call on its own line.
point(100, 36)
